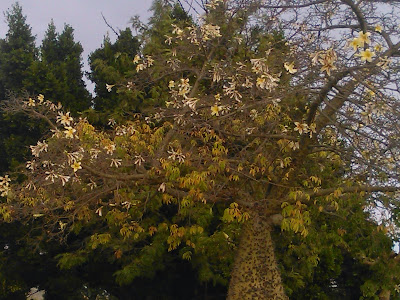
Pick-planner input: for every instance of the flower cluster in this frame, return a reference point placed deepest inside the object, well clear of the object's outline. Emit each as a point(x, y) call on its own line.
point(64, 119)
point(265, 79)
point(180, 95)
point(214, 4)
point(176, 155)
point(362, 41)
point(305, 128)
point(4, 185)
point(209, 31)
point(144, 63)
point(231, 91)
point(194, 34)
point(40, 146)
point(290, 67)
point(326, 58)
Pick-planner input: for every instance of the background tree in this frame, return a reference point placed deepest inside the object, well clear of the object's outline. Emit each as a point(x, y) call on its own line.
point(53, 70)
point(345, 255)
point(58, 74)
point(21, 268)
point(109, 64)
point(17, 53)
point(113, 63)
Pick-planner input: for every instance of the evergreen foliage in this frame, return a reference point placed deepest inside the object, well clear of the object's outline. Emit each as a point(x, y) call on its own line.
point(54, 70)
point(110, 64)
point(17, 54)
point(58, 74)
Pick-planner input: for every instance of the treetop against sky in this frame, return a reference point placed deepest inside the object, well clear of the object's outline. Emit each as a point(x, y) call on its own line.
point(84, 16)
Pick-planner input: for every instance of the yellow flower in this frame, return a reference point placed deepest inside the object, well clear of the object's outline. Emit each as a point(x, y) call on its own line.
point(356, 43)
point(384, 62)
point(31, 102)
point(40, 97)
point(136, 59)
point(370, 93)
point(364, 37)
point(313, 128)
point(162, 187)
point(378, 48)
point(109, 87)
point(140, 67)
point(314, 58)
point(177, 30)
point(110, 148)
point(301, 127)
point(64, 119)
point(290, 67)
point(378, 28)
point(69, 132)
point(150, 61)
point(171, 84)
point(215, 110)
point(168, 39)
point(328, 67)
point(367, 55)
point(99, 211)
point(260, 81)
point(76, 166)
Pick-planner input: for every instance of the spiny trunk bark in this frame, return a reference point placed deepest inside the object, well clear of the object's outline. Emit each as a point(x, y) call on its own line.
point(384, 295)
point(255, 273)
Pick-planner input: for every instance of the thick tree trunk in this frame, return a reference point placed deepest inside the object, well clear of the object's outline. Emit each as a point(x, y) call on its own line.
point(255, 273)
point(384, 295)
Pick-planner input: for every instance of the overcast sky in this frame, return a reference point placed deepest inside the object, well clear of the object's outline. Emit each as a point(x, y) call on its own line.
point(83, 15)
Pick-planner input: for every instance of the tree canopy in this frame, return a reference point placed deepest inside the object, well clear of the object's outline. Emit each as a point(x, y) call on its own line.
point(262, 114)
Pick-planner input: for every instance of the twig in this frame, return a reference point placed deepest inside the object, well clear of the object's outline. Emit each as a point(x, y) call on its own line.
point(109, 26)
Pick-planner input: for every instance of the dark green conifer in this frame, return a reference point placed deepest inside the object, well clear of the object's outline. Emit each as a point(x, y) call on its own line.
point(17, 51)
point(58, 74)
point(111, 63)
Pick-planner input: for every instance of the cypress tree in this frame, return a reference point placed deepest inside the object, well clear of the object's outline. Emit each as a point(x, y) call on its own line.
point(49, 46)
point(111, 63)
point(58, 74)
point(17, 51)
